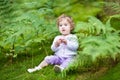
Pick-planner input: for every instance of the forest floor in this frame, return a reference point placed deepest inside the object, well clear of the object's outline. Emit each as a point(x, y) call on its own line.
point(17, 70)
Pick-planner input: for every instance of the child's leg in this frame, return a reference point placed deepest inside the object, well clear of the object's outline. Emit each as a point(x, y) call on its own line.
point(43, 64)
point(48, 60)
point(40, 66)
point(65, 64)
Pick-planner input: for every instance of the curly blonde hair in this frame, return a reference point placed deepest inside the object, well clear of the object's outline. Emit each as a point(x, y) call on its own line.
point(68, 18)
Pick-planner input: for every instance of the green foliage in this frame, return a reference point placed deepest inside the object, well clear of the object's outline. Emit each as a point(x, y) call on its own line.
point(5, 9)
point(113, 6)
point(77, 9)
point(25, 33)
point(26, 17)
point(115, 21)
point(28, 26)
point(110, 8)
point(93, 27)
point(97, 40)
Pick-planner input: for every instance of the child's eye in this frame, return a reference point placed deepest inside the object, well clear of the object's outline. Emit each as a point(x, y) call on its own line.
point(65, 24)
point(60, 25)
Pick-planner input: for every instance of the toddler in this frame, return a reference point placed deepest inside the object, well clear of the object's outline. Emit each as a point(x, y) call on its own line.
point(65, 46)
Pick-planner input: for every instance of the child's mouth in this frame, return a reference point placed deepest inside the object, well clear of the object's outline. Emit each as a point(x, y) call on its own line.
point(63, 30)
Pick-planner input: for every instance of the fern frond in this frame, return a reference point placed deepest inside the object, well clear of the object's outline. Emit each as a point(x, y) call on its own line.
point(6, 10)
point(92, 27)
point(108, 26)
point(101, 40)
point(98, 25)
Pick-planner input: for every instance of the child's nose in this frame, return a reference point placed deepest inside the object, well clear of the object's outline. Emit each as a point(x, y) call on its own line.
point(63, 26)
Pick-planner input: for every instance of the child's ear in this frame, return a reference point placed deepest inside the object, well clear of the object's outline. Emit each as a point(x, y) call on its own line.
point(71, 28)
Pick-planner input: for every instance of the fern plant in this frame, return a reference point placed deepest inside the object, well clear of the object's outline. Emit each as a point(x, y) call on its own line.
point(97, 41)
point(5, 9)
point(27, 29)
point(112, 7)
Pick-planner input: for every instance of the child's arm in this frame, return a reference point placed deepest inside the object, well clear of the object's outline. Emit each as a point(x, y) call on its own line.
point(72, 43)
point(55, 45)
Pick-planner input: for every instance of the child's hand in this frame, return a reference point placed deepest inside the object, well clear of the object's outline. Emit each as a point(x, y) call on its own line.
point(58, 42)
point(64, 41)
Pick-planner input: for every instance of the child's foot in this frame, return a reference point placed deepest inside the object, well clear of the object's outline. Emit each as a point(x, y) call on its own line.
point(58, 69)
point(33, 69)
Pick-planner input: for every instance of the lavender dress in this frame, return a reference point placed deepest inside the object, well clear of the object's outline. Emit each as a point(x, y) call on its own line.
point(64, 53)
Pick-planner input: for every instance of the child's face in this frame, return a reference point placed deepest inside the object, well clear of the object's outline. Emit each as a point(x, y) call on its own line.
point(64, 27)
